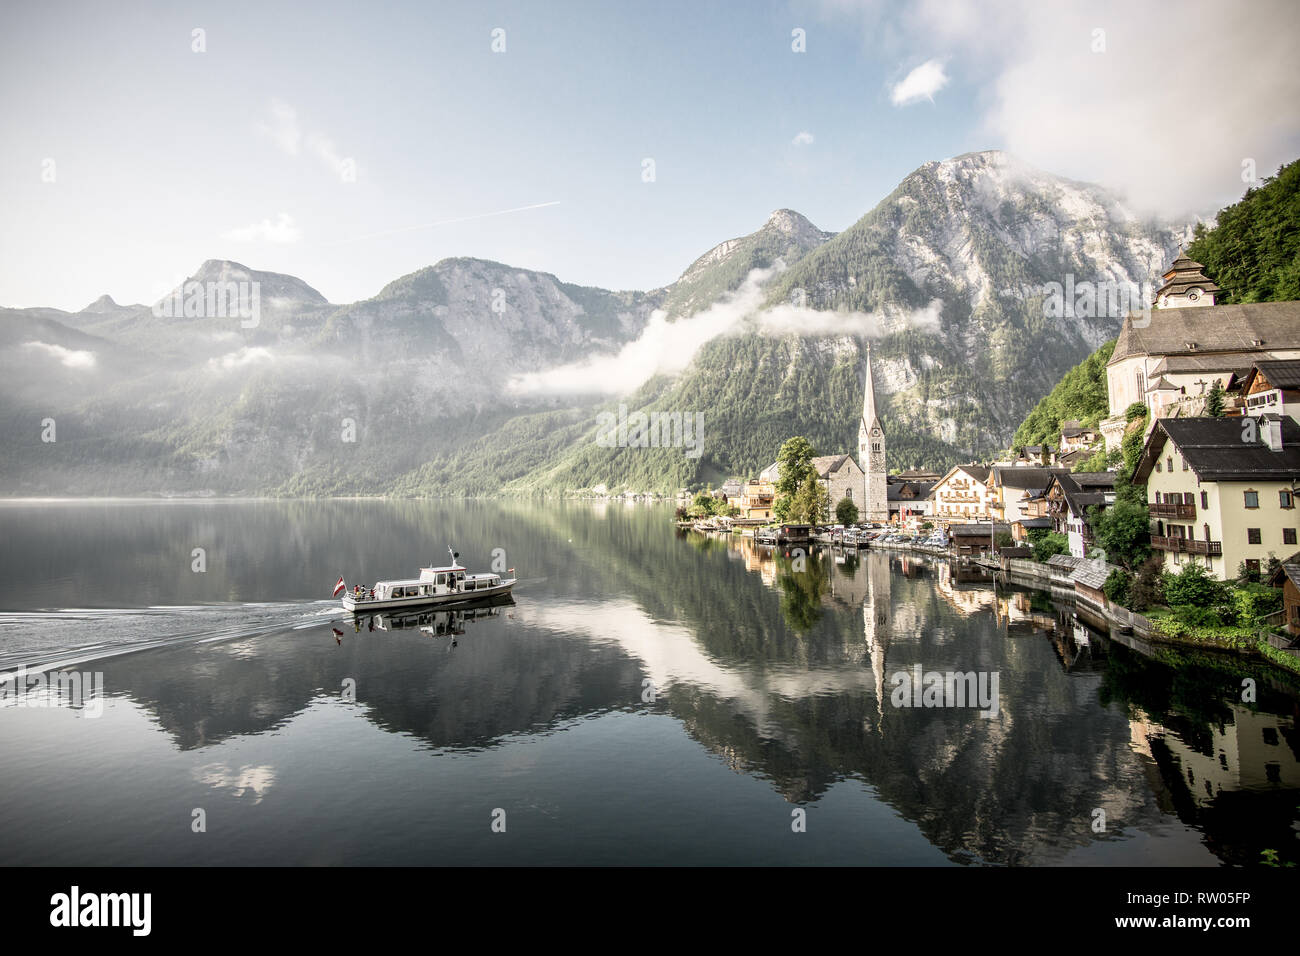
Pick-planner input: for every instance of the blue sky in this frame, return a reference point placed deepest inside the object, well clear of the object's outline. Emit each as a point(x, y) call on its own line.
point(164, 157)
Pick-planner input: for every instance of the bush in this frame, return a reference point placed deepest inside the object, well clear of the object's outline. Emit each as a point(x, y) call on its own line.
point(1117, 586)
point(1147, 587)
point(1048, 543)
point(1135, 411)
point(1192, 587)
point(1253, 602)
point(1004, 540)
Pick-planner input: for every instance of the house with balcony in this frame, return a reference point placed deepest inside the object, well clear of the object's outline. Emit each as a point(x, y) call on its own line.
point(1014, 491)
point(909, 500)
point(1221, 491)
point(961, 495)
point(755, 499)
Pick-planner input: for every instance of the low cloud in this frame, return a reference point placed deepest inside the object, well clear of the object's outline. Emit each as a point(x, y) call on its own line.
point(69, 358)
point(667, 348)
point(282, 230)
point(921, 84)
point(803, 138)
point(242, 358)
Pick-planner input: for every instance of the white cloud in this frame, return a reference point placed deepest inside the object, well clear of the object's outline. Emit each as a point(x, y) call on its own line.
point(70, 358)
point(240, 359)
point(1166, 116)
point(804, 138)
point(283, 230)
point(668, 347)
point(921, 84)
point(284, 129)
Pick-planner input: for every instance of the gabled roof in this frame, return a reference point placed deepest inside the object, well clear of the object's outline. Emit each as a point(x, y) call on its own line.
point(1064, 562)
point(979, 472)
point(1278, 373)
point(1213, 328)
point(908, 490)
point(1023, 476)
point(1213, 448)
point(827, 465)
point(1289, 568)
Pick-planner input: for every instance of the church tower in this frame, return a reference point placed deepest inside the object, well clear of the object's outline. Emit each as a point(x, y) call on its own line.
point(871, 453)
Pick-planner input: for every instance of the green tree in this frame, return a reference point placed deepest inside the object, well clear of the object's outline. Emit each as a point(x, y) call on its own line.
point(1135, 411)
point(1123, 530)
point(1214, 401)
point(846, 512)
point(811, 503)
point(1253, 251)
point(794, 466)
point(1117, 586)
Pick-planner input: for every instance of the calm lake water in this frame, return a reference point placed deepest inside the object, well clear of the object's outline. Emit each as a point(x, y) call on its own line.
point(650, 697)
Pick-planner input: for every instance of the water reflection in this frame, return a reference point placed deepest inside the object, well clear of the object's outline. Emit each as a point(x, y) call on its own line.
point(778, 668)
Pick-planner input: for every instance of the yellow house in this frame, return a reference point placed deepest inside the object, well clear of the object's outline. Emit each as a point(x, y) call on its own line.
point(1222, 491)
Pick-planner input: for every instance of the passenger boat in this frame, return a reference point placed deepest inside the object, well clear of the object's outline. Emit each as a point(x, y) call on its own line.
point(449, 584)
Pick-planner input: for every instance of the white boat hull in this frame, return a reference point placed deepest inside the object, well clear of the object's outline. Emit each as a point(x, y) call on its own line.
point(368, 605)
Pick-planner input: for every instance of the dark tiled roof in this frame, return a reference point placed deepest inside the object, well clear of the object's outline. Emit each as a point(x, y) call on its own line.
point(1024, 476)
point(1213, 448)
point(1289, 568)
point(976, 530)
point(1035, 522)
point(1093, 479)
point(1065, 562)
point(908, 490)
point(1214, 328)
point(1281, 374)
point(1184, 264)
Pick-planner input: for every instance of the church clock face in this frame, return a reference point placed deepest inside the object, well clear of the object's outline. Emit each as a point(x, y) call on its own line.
point(875, 433)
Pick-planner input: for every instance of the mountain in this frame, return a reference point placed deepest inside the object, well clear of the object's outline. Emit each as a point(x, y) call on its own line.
point(786, 237)
point(972, 240)
point(413, 391)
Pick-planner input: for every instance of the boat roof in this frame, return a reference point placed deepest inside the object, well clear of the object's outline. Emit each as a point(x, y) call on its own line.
point(446, 567)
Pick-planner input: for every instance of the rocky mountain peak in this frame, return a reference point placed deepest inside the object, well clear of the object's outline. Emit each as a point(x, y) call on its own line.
point(104, 304)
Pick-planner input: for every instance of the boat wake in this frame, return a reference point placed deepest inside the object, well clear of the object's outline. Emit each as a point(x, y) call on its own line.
point(42, 640)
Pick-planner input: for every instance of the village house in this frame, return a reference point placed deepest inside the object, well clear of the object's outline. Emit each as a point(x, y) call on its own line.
point(1013, 489)
point(1287, 577)
point(1272, 388)
point(1075, 436)
point(1069, 499)
point(961, 495)
point(909, 500)
point(1222, 491)
point(974, 539)
point(1170, 358)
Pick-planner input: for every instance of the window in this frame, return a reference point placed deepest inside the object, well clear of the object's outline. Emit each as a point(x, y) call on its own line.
point(1252, 499)
point(1188, 499)
point(1252, 568)
point(1285, 499)
point(1170, 462)
point(1288, 535)
point(1252, 537)
point(1205, 499)
point(1157, 464)
point(1184, 464)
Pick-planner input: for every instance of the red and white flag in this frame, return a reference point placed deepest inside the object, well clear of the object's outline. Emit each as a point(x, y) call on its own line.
point(338, 588)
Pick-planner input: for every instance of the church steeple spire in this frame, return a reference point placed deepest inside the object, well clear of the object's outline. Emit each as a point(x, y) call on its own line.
point(871, 453)
point(869, 418)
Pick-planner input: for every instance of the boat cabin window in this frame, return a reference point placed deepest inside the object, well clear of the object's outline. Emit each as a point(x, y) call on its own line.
point(442, 580)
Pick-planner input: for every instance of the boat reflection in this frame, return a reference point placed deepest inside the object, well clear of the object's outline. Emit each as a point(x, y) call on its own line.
point(448, 622)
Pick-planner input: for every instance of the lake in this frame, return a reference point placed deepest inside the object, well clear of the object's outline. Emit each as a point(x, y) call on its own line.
point(650, 697)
